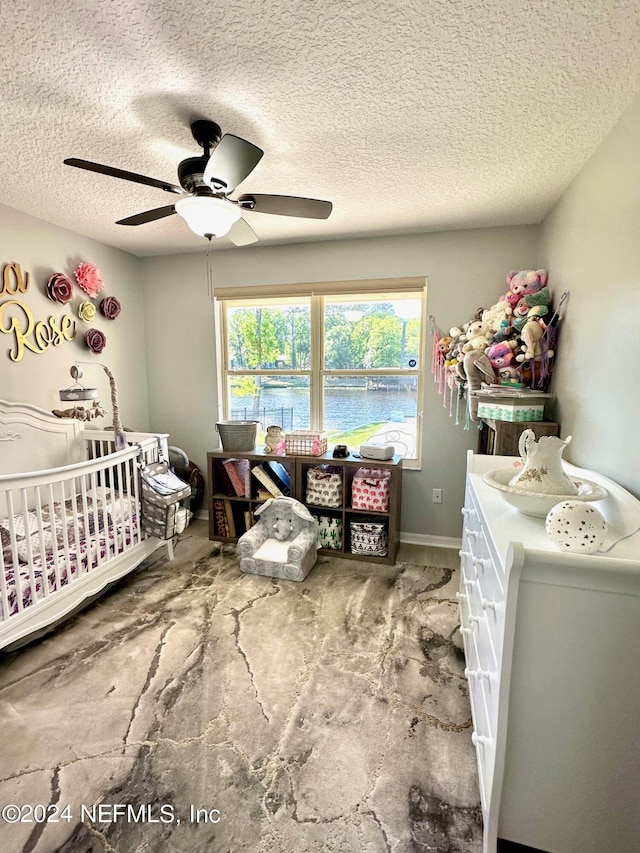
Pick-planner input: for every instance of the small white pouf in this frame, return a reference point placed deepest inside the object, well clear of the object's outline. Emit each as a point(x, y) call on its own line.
point(576, 526)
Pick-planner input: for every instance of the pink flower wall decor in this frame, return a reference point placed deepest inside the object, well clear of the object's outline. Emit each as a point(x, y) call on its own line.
point(110, 307)
point(59, 288)
point(95, 340)
point(89, 279)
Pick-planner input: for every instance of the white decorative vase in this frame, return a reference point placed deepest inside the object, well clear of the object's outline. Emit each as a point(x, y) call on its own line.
point(576, 526)
point(543, 472)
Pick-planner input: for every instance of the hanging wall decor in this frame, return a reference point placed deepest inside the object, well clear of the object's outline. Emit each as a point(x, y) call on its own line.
point(17, 320)
point(110, 307)
point(89, 279)
point(59, 288)
point(87, 311)
point(95, 340)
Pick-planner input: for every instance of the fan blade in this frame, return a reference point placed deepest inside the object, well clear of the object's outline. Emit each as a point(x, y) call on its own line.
point(231, 161)
point(286, 205)
point(242, 234)
point(126, 176)
point(148, 215)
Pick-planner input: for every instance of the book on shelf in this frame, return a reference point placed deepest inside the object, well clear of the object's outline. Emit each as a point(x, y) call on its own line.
point(244, 471)
point(236, 473)
point(261, 475)
point(280, 475)
point(223, 481)
point(219, 518)
point(230, 523)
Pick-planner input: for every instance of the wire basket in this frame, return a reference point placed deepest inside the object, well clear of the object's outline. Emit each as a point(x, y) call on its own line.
point(237, 435)
point(306, 442)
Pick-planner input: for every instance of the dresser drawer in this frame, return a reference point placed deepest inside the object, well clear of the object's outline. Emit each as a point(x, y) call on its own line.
point(481, 620)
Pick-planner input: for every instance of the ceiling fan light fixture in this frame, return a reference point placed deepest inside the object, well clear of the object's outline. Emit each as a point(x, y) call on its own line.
point(207, 216)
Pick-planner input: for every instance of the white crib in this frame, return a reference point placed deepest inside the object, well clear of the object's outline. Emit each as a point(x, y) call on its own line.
point(70, 520)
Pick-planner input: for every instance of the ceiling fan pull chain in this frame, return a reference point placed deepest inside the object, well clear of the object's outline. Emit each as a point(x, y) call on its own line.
point(209, 271)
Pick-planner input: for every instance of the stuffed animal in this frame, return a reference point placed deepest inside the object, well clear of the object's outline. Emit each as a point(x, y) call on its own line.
point(501, 354)
point(477, 336)
point(524, 282)
point(531, 336)
point(82, 414)
point(530, 306)
point(520, 311)
point(495, 316)
point(475, 369)
point(444, 344)
point(458, 339)
point(510, 375)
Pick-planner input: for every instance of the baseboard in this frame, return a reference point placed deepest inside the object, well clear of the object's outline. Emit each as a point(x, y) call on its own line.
point(430, 540)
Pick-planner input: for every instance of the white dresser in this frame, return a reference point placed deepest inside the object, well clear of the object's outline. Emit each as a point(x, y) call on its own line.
point(552, 648)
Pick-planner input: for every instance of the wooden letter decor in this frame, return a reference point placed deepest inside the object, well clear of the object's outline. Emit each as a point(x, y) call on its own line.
point(18, 284)
point(16, 319)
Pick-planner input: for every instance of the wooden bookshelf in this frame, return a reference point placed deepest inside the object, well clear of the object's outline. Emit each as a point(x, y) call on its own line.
point(242, 507)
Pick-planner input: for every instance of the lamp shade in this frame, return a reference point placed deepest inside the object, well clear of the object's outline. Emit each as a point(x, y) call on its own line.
point(208, 216)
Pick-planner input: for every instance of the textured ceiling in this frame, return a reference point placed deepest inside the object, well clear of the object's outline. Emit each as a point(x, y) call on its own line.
point(409, 115)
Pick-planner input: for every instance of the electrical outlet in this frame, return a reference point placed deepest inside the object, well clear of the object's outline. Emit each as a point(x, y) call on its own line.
point(436, 496)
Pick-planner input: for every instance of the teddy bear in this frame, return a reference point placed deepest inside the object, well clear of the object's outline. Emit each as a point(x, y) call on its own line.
point(501, 354)
point(524, 282)
point(477, 335)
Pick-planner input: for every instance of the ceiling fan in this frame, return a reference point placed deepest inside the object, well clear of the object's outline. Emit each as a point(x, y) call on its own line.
point(205, 185)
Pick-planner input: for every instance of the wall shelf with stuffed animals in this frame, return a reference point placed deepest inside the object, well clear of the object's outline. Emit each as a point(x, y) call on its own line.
point(498, 364)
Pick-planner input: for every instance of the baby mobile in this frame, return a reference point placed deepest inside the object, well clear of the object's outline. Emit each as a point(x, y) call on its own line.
point(511, 344)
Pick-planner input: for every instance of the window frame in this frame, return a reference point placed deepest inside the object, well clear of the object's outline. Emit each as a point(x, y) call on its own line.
point(317, 294)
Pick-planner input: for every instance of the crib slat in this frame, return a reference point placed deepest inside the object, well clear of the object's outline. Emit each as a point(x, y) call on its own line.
point(4, 595)
point(54, 534)
point(65, 531)
point(42, 556)
point(76, 529)
point(131, 535)
point(27, 541)
point(96, 517)
point(88, 538)
point(14, 550)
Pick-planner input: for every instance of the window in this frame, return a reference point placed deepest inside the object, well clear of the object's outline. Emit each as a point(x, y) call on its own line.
point(347, 359)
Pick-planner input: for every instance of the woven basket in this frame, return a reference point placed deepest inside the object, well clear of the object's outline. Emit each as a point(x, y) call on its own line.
point(237, 435)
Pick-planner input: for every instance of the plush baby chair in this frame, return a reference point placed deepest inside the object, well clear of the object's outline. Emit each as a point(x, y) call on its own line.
point(283, 543)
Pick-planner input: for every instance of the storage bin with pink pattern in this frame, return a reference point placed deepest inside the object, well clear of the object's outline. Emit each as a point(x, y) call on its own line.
point(370, 489)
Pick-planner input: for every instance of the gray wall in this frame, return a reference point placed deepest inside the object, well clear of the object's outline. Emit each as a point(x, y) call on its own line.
point(465, 269)
point(42, 249)
point(591, 244)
